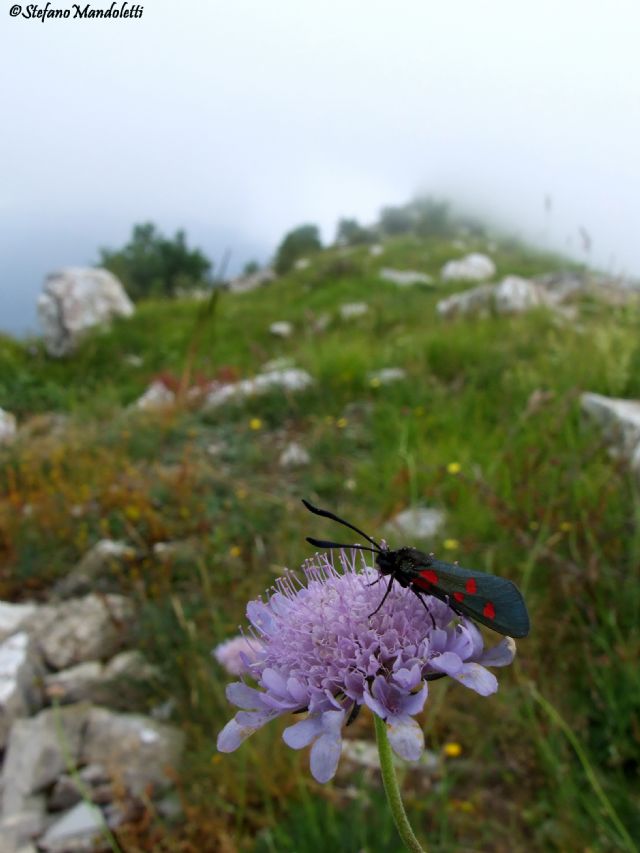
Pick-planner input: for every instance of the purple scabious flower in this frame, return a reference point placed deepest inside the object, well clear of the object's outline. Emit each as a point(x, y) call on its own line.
point(237, 654)
point(318, 650)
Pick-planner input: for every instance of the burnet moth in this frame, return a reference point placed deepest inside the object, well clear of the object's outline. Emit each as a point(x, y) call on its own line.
point(493, 601)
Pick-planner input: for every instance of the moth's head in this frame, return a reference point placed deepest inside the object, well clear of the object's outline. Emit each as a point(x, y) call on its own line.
point(387, 561)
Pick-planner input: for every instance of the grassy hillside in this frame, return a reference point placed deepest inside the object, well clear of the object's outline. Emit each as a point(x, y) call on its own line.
point(486, 426)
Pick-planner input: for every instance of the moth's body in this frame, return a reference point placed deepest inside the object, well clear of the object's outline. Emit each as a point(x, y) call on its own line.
point(402, 563)
point(493, 601)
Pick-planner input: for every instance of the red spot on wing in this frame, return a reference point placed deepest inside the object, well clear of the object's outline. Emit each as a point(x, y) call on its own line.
point(429, 576)
point(471, 586)
point(489, 610)
point(459, 596)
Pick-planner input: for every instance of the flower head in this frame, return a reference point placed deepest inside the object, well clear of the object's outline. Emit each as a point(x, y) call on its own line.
point(237, 654)
point(319, 650)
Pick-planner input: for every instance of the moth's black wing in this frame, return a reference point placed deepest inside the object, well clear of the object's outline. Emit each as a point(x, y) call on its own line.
point(493, 601)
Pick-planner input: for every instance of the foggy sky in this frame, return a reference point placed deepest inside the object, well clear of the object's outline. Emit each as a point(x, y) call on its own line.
point(238, 121)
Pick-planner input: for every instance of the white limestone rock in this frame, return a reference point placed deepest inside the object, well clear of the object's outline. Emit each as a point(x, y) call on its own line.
point(562, 286)
point(135, 750)
point(247, 283)
point(321, 322)
point(294, 456)
point(13, 616)
point(77, 831)
point(18, 829)
point(92, 780)
point(282, 362)
point(20, 692)
point(477, 300)
point(157, 396)
point(619, 419)
point(567, 285)
point(75, 300)
point(376, 250)
point(386, 375)
point(8, 427)
point(64, 794)
point(363, 754)
point(352, 310)
point(292, 379)
point(418, 523)
point(37, 753)
point(74, 684)
point(473, 267)
point(88, 573)
point(130, 664)
point(404, 278)
point(133, 360)
point(281, 329)
point(514, 295)
point(82, 629)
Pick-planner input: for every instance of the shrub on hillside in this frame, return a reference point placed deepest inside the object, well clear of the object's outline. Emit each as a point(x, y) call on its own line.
point(396, 220)
point(431, 217)
point(351, 233)
point(424, 216)
point(296, 244)
point(153, 265)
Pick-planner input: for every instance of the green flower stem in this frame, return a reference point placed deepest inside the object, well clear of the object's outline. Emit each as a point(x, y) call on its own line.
point(392, 790)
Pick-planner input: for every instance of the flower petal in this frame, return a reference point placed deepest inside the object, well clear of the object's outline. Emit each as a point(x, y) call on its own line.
point(408, 678)
point(477, 678)
point(239, 729)
point(255, 719)
point(273, 681)
point(332, 721)
point(303, 733)
point(500, 655)
point(406, 737)
point(325, 755)
point(243, 696)
point(298, 691)
point(261, 617)
point(414, 702)
point(374, 705)
point(448, 662)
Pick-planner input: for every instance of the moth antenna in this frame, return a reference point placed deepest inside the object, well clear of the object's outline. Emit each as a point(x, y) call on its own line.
point(323, 543)
point(326, 514)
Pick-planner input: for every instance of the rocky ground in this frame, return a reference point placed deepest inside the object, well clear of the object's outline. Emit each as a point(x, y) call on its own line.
point(74, 768)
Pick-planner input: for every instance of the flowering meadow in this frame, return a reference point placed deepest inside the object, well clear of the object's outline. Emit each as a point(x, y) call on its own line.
point(483, 423)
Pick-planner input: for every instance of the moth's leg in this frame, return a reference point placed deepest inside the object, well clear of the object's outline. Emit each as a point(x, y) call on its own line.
point(384, 597)
point(422, 601)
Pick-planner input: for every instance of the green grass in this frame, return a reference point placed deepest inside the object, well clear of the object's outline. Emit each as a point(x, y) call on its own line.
point(537, 499)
